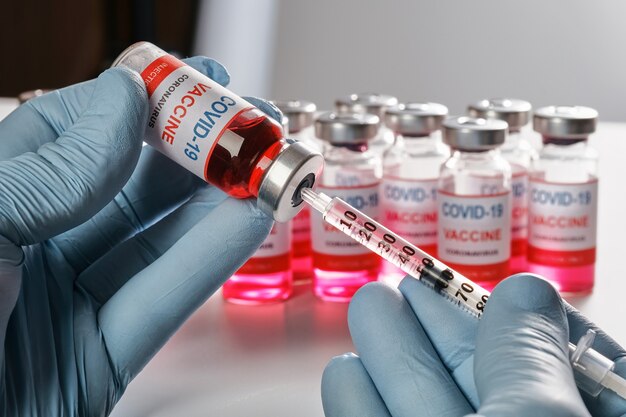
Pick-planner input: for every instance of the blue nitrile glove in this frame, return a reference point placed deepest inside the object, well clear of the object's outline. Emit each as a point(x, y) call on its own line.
point(419, 356)
point(94, 278)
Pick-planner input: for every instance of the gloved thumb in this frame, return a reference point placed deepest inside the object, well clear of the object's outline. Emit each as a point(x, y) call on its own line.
point(521, 362)
point(70, 179)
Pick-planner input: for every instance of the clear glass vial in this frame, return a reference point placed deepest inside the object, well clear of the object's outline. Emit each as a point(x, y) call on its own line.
point(219, 136)
point(370, 103)
point(301, 114)
point(408, 191)
point(563, 205)
point(520, 153)
point(474, 201)
point(352, 172)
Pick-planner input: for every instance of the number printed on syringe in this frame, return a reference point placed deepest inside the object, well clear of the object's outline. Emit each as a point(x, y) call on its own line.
point(407, 257)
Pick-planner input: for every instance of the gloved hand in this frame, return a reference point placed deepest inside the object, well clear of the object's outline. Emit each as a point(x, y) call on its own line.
point(420, 357)
point(94, 278)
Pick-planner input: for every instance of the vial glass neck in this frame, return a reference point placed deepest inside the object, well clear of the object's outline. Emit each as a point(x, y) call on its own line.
point(354, 147)
point(550, 140)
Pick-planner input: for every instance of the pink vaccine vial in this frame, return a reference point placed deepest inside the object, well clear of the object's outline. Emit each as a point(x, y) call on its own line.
point(474, 201)
point(352, 172)
point(371, 103)
point(563, 204)
point(300, 114)
point(518, 150)
point(408, 191)
point(267, 276)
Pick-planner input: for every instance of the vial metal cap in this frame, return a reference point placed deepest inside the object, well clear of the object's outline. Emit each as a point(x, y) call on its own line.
point(347, 128)
point(474, 134)
point(415, 119)
point(300, 113)
point(372, 103)
point(567, 122)
point(514, 111)
point(297, 166)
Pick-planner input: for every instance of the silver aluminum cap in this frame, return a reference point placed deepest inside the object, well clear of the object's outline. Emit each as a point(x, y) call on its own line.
point(473, 134)
point(567, 122)
point(347, 128)
point(295, 167)
point(415, 119)
point(513, 111)
point(300, 113)
point(372, 103)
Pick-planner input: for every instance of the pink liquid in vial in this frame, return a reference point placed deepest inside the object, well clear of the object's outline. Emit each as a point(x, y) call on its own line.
point(302, 264)
point(519, 262)
point(571, 272)
point(260, 280)
point(337, 278)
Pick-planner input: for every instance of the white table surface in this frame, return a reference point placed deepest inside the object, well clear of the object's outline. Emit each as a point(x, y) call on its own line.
point(231, 360)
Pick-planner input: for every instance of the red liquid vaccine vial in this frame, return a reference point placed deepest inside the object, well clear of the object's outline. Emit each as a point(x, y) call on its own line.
point(352, 172)
point(219, 136)
point(519, 152)
point(371, 103)
point(301, 114)
point(563, 205)
point(474, 201)
point(267, 276)
point(408, 191)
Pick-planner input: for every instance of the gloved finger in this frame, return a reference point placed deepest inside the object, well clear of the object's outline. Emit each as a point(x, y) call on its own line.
point(44, 118)
point(148, 309)
point(451, 331)
point(399, 357)
point(11, 260)
point(607, 403)
point(348, 390)
point(156, 187)
point(69, 180)
point(108, 274)
point(266, 107)
point(521, 362)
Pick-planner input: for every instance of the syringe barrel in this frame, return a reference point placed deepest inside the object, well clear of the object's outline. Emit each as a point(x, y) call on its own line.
point(590, 370)
point(404, 255)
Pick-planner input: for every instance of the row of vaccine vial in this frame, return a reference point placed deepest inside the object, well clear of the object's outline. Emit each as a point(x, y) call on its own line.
point(468, 203)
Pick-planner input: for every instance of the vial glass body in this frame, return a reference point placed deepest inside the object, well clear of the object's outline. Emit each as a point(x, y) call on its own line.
point(340, 265)
point(563, 214)
point(474, 215)
point(201, 125)
point(408, 193)
point(521, 155)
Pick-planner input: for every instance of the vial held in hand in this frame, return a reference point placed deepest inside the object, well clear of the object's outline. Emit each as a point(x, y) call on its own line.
point(219, 136)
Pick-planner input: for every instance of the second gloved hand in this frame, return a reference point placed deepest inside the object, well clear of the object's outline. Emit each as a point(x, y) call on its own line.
point(419, 356)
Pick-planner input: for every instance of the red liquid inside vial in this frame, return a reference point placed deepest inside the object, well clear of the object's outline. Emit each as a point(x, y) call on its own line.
point(260, 280)
point(337, 278)
point(241, 155)
point(518, 256)
point(302, 264)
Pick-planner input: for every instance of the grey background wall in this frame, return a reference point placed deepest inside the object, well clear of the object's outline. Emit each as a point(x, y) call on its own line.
point(453, 52)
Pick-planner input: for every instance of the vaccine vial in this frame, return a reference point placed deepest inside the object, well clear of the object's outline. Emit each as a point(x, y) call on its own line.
point(371, 103)
point(219, 136)
point(408, 190)
point(563, 204)
point(267, 276)
point(520, 153)
point(301, 114)
point(352, 172)
point(474, 201)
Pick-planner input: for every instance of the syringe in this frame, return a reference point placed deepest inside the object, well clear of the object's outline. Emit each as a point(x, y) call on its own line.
point(593, 371)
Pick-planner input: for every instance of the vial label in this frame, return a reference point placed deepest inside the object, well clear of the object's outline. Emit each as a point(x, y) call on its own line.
point(475, 231)
point(329, 244)
point(302, 233)
point(188, 112)
point(563, 219)
point(409, 208)
point(519, 214)
point(274, 253)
